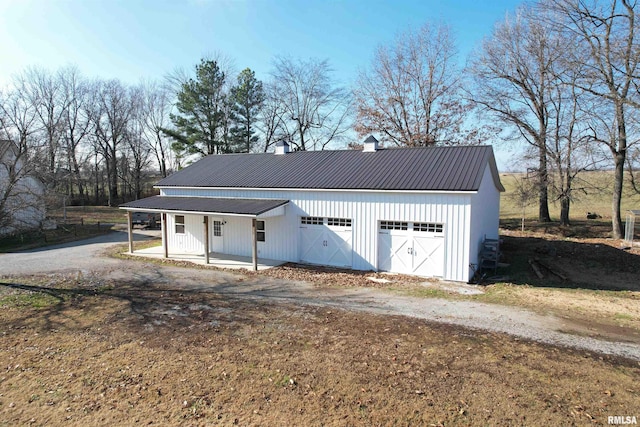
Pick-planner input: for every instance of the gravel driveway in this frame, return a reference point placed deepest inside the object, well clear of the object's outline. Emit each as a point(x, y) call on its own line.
point(85, 256)
point(82, 255)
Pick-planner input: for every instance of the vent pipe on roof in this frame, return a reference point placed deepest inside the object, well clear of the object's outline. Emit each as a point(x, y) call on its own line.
point(282, 147)
point(370, 144)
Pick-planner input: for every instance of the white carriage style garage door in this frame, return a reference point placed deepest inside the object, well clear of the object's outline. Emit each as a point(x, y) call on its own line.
point(411, 247)
point(326, 241)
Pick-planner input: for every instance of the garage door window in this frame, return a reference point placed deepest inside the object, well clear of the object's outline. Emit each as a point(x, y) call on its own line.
point(393, 225)
point(311, 220)
point(339, 222)
point(428, 227)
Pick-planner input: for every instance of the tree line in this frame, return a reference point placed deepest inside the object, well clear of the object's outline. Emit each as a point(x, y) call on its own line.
point(559, 76)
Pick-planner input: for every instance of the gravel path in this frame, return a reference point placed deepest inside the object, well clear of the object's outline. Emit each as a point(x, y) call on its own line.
point(85, 256)
point(82, 255)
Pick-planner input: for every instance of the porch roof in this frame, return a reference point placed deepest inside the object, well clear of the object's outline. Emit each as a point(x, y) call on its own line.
point(205, 205)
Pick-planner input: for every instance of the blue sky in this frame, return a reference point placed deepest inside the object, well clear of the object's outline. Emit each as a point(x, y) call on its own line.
point(143, 39)
point(137, 39)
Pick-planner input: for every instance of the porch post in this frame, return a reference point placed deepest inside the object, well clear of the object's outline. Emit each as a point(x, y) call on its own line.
point(130, 230)
point(165, 244)
point(206, 239)
point(254, 233)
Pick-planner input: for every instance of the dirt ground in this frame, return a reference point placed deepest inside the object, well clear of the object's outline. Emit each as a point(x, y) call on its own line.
point(96, 349)
point(81, 351)
point(573, 262)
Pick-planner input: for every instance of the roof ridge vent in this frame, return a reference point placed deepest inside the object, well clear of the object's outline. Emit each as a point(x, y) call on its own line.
point(370, 145)
point(282, 147)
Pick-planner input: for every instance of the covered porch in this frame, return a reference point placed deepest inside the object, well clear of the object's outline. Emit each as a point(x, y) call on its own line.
point(215, 259)
point(202, 210)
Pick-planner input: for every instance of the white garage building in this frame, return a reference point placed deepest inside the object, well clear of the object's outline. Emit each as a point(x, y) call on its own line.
point(422, 211)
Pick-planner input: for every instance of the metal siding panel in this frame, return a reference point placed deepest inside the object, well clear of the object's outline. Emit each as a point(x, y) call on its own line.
point(237, 236)
point(485, 218)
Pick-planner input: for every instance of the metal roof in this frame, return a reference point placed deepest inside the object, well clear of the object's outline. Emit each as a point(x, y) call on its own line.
point(250, 207)
point(457, 168)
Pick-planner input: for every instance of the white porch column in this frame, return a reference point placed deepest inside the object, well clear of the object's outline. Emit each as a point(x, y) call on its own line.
point(206, 239)
point(130, 230)
point(165, 243)
point(254, 233)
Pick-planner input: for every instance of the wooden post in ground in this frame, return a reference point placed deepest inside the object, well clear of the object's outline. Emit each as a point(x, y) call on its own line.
point(254, 252)
point(165, 244)
point(130, 229)
point(206, 239)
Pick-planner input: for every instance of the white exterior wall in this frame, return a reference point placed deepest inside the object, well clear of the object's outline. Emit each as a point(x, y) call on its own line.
point(365, 209)
point(189, 242)
point(485, 214)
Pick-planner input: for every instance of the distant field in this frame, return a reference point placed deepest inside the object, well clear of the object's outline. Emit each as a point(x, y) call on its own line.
point(593, 192)
point(90, 214)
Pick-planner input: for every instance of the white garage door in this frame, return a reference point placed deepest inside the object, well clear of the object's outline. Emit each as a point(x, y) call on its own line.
point(411, 247)
point(326, 241)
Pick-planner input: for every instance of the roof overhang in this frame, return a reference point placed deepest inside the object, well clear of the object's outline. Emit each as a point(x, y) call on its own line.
point(253, 208)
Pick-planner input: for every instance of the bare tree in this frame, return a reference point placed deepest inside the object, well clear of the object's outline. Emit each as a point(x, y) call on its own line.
point(569, 142)
point(524, 194)
point(111, 117)
point(19, 118)
point(21, 195)
point(155, 114)
point(76, 124)
point(411, 95)
point(48, 97)
point(314, 110)
point(605, 40)
point(136, 154)
point(271, 119)
point(514, 80)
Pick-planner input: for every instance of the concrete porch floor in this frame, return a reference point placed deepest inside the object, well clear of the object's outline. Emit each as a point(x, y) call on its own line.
point(215, 259)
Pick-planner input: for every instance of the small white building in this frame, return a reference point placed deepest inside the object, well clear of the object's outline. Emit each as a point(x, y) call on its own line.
point(421, 211)
point(22, 204)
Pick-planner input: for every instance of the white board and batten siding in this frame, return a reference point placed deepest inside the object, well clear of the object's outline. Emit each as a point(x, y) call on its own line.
point(191, 241)
point(365, 209)
point(485, 218)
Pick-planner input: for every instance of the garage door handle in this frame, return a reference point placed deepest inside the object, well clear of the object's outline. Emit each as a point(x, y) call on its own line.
point(324, 243)
point(410, 251)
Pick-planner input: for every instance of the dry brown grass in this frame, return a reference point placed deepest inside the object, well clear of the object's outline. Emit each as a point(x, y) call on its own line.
point(123, 355)
point(593, 194)
point(90, 214)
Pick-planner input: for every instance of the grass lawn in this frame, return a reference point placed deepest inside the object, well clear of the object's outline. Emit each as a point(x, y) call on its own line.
point(82, 351)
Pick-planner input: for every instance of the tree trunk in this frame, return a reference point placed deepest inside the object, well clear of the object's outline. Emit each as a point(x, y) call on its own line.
point(113, 178)
point(565, 204)
point(616, 217)
point(543, 184)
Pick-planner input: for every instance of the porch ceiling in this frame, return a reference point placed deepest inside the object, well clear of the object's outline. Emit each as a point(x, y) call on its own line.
point(205, 205)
